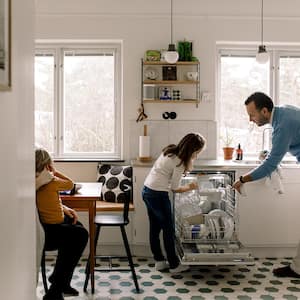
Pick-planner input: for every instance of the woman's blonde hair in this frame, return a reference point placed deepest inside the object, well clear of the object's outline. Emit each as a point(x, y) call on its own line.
point(42, 159)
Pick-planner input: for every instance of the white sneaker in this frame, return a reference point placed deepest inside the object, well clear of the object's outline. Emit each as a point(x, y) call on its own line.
point(161, 265)
point(179, 269)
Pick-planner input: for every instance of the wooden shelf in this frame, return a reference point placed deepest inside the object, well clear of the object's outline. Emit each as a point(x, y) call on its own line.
point(166, 82)
point(157, 101)
point(163, 63)
point(189, 90)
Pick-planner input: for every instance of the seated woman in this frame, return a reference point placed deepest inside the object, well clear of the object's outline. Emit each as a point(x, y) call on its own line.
point(62, 229)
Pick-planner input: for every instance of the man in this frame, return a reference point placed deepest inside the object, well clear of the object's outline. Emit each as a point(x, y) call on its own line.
point(285, 121)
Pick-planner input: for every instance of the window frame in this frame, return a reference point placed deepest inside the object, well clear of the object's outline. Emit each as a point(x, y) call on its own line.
point(275, 52)
point(58, 49)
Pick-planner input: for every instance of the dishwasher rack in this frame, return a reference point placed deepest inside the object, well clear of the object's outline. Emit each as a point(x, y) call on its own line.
point(206, 221)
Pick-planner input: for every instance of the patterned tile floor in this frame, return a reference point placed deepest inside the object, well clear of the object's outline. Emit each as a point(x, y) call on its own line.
point(202, 282)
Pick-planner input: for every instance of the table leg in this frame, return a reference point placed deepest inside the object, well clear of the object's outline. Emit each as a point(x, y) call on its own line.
point(92, 213)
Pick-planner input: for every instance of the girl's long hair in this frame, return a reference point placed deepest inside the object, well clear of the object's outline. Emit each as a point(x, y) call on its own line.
point(188, 145)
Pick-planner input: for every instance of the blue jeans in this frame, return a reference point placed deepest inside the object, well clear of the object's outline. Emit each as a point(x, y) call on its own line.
point(160, 218)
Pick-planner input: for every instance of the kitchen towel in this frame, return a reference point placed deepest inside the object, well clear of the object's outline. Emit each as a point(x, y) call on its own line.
point(144, 146)
point(274, 180)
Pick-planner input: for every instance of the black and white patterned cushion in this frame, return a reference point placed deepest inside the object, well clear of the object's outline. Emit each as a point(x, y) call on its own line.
point(117, 182)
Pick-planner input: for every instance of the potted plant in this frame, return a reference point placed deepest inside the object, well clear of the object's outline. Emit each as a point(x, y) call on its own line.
point(227, 139)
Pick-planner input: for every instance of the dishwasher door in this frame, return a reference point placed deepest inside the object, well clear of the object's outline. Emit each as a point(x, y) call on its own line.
point(206, 221)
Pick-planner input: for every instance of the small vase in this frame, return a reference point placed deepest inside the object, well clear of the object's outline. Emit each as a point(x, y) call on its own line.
point(228, 152)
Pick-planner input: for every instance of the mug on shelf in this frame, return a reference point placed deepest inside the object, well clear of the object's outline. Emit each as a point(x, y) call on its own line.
point(192, 75)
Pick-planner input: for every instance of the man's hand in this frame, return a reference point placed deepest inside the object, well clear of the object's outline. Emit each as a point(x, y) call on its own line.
point(237, 185)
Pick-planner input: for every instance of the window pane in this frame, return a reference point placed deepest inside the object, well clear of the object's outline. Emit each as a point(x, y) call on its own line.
point(240, 77)
point(44, 101)
point(89, 103)
point(289, 80)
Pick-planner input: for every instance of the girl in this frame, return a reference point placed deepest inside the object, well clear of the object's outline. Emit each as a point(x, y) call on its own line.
point(165, 176)
point(63, 232)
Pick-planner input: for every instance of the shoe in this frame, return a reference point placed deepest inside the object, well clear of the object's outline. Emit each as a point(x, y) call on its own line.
point(161, 265)
point(285, 272)
point(69, 291)
point(53, 294)
point(179, 269)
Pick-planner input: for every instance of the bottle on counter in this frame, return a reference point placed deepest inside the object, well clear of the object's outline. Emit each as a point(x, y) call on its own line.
point(239, 153)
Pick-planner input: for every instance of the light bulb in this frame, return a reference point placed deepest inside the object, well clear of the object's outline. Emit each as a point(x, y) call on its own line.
point(171, 56)
point(262, 55)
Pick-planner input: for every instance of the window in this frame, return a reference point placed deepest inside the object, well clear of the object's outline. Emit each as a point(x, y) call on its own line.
point(77, 101)
point(289, 79)
point(239, 76)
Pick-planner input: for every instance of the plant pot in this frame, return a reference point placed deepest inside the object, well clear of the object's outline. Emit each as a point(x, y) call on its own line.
point(228, 152)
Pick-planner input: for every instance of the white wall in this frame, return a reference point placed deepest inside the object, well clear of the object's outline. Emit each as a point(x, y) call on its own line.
point(143, 25)
point(17, 193)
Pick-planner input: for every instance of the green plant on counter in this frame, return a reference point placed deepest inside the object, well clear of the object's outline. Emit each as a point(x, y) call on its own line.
point(227, 138)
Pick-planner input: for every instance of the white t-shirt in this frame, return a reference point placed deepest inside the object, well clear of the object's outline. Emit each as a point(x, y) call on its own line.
point(165, 175)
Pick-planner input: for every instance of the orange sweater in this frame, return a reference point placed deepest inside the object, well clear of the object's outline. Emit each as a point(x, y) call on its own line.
point(48, 200)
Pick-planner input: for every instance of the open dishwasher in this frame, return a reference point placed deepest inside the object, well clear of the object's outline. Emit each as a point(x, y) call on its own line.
point(206, 221)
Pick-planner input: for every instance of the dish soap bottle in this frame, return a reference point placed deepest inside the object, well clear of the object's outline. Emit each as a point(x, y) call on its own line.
point(239, 153)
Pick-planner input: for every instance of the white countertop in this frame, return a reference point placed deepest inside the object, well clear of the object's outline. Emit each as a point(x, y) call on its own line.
point(220, 163)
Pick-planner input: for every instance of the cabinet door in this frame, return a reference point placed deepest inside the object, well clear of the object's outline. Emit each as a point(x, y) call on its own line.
point(140, 218)
point(268, 218)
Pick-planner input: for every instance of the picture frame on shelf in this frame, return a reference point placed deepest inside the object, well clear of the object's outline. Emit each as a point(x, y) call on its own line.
point(5, 45)
point(165, 93)
point(169, 73)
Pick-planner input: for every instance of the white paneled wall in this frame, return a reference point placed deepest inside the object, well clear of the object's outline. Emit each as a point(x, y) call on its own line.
point(164, 132)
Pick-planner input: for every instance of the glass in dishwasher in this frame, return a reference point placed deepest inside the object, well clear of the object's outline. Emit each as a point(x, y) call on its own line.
point(206, 221)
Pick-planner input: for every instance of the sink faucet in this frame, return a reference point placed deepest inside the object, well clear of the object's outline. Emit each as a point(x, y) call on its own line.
point(264, 138)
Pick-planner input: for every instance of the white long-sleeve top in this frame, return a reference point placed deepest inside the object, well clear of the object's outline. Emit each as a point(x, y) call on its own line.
point(165, 174)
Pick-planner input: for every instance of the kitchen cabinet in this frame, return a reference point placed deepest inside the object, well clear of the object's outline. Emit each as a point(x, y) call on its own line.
point(140, 218)
point(176, 83)
point(268, 218)
point(265, 219)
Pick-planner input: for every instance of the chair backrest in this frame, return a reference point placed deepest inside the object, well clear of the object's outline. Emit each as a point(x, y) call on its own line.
point(117, 182)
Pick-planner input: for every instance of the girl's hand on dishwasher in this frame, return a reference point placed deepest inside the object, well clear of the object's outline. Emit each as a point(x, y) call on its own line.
point(193, 185)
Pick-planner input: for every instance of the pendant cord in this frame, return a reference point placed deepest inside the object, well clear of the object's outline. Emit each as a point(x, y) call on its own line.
point(262, 22)
point(171, 21)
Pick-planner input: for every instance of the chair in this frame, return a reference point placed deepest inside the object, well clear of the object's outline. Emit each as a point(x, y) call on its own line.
point(43, 269)
point(43, 257)
point(109, 220)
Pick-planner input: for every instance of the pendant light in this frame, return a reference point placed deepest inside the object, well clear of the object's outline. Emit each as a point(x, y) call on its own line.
point(171, 56)
point(262, 55)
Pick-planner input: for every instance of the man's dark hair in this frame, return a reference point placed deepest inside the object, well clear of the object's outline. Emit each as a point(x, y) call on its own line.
point(260, 100)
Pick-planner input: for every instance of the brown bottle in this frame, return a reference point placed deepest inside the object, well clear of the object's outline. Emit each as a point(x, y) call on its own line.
point(239, 153)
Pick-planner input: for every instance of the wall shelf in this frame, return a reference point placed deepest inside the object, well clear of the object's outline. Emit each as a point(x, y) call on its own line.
point(158, 101)
point(155, 89)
